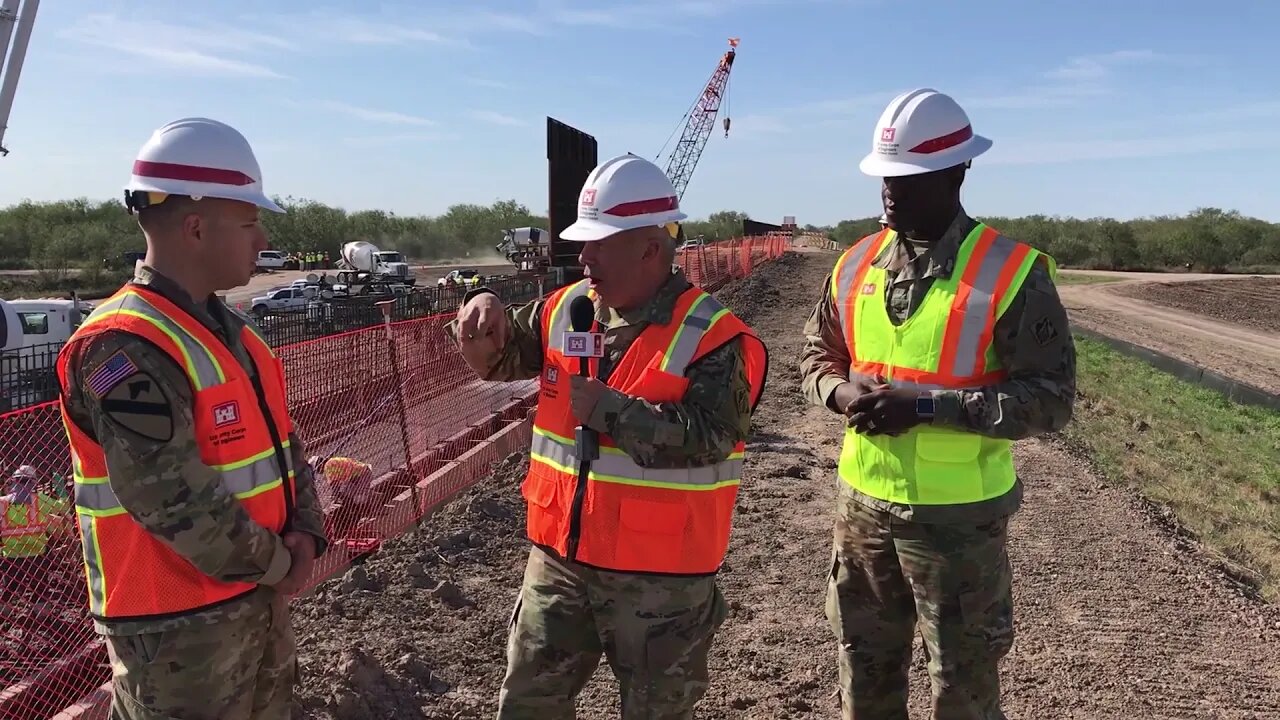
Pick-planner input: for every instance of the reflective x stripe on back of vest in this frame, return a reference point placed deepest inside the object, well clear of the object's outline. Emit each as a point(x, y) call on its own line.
point(34, 525)
point(201, 364)
point(988, 262)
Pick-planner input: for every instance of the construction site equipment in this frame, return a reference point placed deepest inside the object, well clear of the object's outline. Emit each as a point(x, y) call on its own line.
point(624, 193)
point(15, 24)
point(363, 264)
point(698, 121)
point(528, 248)
point(197, 157)
point(921, 131)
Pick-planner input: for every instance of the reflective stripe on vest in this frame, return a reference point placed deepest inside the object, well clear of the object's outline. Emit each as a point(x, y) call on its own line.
point(625, 517)
point(131, 574)
point(945, 344)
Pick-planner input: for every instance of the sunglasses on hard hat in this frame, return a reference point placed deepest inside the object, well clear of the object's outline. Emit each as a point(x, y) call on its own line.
point(137, 200)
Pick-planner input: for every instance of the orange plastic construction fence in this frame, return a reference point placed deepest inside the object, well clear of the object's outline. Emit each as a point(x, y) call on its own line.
point(395, 422)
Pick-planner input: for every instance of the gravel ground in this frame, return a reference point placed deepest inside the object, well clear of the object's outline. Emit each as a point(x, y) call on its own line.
point(1118, 613)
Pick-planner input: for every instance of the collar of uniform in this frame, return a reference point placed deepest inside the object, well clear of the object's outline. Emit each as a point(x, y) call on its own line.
point(942, 254)
point(657, 311)
point(172, 291)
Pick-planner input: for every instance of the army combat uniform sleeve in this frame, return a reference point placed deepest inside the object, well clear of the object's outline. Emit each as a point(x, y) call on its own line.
point(701, 429)
point(824, 359)
point(308, 516)
point(153, 460)
point(1033, 342)
point(521, 357)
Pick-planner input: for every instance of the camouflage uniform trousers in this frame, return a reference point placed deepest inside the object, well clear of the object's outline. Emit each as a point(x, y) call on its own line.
point(655, 631)
point(242, 667)
point(955, 581)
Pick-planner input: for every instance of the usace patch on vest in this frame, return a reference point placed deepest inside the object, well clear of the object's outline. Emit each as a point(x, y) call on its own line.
point(227, 427)
point(132, 398)
point(550, 381)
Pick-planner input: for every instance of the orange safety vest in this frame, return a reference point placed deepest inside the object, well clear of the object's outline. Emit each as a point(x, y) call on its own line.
point(242, 432)
point(626, 517)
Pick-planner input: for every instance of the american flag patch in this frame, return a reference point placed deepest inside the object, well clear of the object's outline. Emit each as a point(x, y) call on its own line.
point(110, 374)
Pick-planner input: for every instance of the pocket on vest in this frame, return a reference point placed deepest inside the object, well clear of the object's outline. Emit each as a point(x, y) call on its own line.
point(948, 446)
point(650, 533)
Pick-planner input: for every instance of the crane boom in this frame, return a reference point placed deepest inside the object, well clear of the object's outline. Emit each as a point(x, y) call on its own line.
point(701, 118)
point(17, 24)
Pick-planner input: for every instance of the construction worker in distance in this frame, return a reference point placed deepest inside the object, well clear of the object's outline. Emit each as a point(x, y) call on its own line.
point(351, 483)
point(942, 341)
point(884, 221)
point(626, 544)
point(198, 513)
point(29, 519)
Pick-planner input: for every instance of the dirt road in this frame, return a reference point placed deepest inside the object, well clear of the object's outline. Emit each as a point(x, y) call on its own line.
point(1249, 354)
point(1117, 616)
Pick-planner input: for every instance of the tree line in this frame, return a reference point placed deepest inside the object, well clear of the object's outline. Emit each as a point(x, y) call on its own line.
point(1208, 239)
point(54, 237)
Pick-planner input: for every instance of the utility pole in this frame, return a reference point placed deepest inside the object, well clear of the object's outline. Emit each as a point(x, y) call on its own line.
point(15, 24)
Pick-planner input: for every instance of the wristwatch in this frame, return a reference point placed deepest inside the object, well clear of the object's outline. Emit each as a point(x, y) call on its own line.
point(925, 406)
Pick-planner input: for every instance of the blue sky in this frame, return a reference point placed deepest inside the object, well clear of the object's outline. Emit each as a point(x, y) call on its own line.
point(1114, 108)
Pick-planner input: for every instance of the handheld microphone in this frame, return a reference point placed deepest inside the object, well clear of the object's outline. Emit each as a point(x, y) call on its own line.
point(582, 315)
point(584, 345)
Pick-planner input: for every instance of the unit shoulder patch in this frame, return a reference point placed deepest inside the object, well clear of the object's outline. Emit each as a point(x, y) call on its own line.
point(138, 404)
point(1045, 331)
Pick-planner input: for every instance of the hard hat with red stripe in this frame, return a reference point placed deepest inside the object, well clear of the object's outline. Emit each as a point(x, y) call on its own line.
point(919, 132)
point(200, 158)
point(624, 193)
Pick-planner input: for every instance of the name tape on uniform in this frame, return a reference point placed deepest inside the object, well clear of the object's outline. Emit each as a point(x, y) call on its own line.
point(584, 344)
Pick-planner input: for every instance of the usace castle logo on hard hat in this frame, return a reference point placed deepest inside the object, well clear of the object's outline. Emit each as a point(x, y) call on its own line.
point(586, 205)
point(887, 144)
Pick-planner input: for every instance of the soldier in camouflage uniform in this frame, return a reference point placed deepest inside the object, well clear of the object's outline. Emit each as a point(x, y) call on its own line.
point(235, 659)
point(942, 566)
point(654, 628)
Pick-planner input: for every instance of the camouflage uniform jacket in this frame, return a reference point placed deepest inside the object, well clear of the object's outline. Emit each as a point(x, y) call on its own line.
point(701, 429)
point(1032, 340)
point(165, 486)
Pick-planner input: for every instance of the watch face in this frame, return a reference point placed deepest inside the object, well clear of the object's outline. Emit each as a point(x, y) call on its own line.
point(924, 406)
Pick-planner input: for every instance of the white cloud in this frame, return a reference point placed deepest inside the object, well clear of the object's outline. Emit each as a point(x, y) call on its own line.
point(396, 139)
point(497, 118)
point(390, 117)
point(207, 49)
point(1076, 80)
point(1043, 152)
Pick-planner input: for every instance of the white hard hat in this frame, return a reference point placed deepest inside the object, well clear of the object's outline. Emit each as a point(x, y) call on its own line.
point(201, 158)
point(26, 472)
point(921, 131)
point(624, 193)
point(884, 219)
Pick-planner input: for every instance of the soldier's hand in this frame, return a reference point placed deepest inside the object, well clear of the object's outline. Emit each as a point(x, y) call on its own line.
point(302, 548)
point(482, 330)
point(885, 411)
point(847, 393)
point(584, 393)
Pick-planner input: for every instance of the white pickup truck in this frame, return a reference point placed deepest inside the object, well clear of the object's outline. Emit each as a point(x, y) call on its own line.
point(286, 299)
point(271, 260)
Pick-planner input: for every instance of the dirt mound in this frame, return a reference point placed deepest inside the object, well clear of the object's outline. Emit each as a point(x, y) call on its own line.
point(419, 630)
point(1250, 301)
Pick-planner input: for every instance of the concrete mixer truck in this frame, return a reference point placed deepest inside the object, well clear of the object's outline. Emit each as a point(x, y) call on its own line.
point(364, 264)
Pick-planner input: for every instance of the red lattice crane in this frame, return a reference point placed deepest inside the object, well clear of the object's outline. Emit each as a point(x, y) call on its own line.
point(698, 122)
